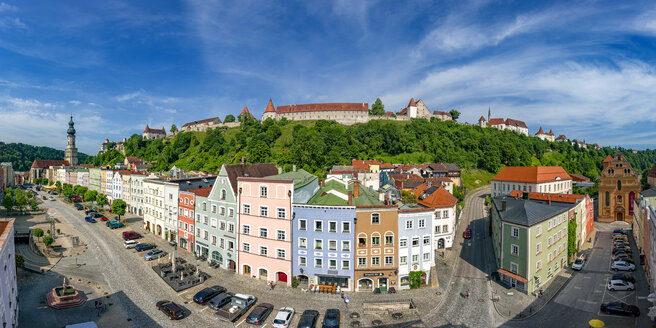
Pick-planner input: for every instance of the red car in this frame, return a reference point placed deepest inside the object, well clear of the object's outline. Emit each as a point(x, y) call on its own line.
point(130, 235)
point(467, 234)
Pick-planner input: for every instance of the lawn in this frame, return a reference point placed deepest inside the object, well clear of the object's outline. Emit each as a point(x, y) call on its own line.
point(474, 178)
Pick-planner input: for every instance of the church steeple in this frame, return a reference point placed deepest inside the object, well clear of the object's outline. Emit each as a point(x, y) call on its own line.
point(71, 129)
point(70, 154)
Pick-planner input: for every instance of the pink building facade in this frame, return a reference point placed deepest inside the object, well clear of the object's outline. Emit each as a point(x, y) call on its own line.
point(265, 228)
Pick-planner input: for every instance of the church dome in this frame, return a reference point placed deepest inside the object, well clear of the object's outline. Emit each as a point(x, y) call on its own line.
point(71, 129)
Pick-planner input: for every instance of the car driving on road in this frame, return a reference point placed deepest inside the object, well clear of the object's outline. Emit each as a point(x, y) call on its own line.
point(578, 264)
point(467, 234)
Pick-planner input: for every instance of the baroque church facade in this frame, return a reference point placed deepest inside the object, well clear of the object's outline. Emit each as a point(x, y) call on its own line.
point(618, 188)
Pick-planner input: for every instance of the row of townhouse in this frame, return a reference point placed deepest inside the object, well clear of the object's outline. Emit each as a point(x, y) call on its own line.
point(644, 230)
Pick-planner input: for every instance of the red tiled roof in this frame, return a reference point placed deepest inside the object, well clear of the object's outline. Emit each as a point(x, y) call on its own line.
point(269, 107)
point(203, 192)
point(550, 132)
point(205, 121)
point(516, 193)
point(540, 131)
point(437, 112)
point(565, 198)
point(440, 198)
point(151, 130)
point(579, 178)
point(412, 102)
point(496, 121)
point(323, 107)
point(561, 137)
point(608, 159)
point(481, 119)
point(531, 174)
point(245, 111)
point(512, 122)
point(45, 163)
point(389, 113)
point(404, 111)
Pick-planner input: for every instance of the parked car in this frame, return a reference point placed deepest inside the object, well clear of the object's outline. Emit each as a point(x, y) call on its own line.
point(52, 198)
point(622, 238)
point(619, 285)
point(620, 308)
point(44, 197)
point(331, 319)
point(219, 300)
point(621, 257)
point(79, 207)
point(174, 311)
point(259, 313)
point(622, 266)
point(623, 276)
point(154, 254)
point(144, 247)
point(130, 244)
point(621, 249)
point(108, 223)
point(308, 319)
point(129, 235)
point(205, 295)
point(619, 231)
point(89, 212)
point(578, 264)
point(90, 219)
point(116, 225)
point(283, 317)
point(467, 234)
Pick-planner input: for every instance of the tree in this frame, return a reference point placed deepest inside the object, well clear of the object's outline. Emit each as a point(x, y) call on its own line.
point(454, 114)
point(90, 195)
point(33, 205)
point(20, 201)
point(45, 181)
point(20, 260)
point(8, 201)
point(377, 108)
point(38, 232)
point(571, 239)
point(47, 240)
point(118, 208)
point(229, 118)
point(58, 185)
point(174, 128)
point(101, 199)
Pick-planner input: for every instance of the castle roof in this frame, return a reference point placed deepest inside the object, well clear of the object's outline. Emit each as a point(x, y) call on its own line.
point(540, 131)
point(517, 123)
point(481, 119)
point(151, 130)
point(550, 132)
point(269, 107)
point(496, 121)
point(437, 112)
point(323, 107)
point(561, 137)
point(532, 174)
point(245, 111)
point(412, 102)
point(45, 163)
point(205, 121)
point(608, 159)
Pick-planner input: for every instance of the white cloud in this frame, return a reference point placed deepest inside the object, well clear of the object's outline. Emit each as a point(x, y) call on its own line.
point(74, 102)
point(128, 96)
point(7, 7)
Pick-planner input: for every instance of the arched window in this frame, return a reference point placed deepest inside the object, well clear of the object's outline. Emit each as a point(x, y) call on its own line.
point(619, 199)
point(223, 194)
point(607, 199)
point(375, 239)
point(619, 185)
point(204, 206)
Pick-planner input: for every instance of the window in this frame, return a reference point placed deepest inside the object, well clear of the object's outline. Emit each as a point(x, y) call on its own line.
point(231, 212)
point(515, 232)
point(206, 234)
point(204, 218)
point(246, 229)
point(302, 224)
point(389, 240)
point(318, 262)
point(302, 261)
point(214, 240)
point(538, 230)
point(332, 264)
point(437, 229)
point(437, 215)
point(246, 247)
point(280, 235)
point(445, 228)
point(346, 264)
point(282, 213)
point(549, 241)
point(375, 241)
point(264, 232)
point(538, 266)
point(318, 225)
point(223, 194)
point(346, 245)
point(403, 260)
point(415, 242)
point(408, 224)
point(375, 218)
point(222, 211)
point(263, 192)
point(222, 225)
point(302, 242)
point(415, 258)
point(231, 227)
point(362, 242)
point(426, 240)
point(538, 248)
point(213, 222)
point(375, 261)
point(332, 226)
point(280, 253)
point(556, 266)
point(514, 250)
point(247, 209)
point(346, 227)
point(264, 211)
point(213, 208)
point(422, 223)
point(318, 244)
point(264, 250)
point(403, 242)
point(362, 261)
point(549, 272)
point(426, 256)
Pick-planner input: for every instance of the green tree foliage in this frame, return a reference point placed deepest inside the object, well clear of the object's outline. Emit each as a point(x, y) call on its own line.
point(47, 240)
point(118, 207)
point(229, 118)
point(20, 260)
point(571, 239)
point(101, 199)
point(90, 196)
point(174, 128)
point(415, 279)
point(20, 200)
point(59, 186)
point(454, 114)
point(45, 182)
point(33, 205)
point(317, 145)
point(67, 190)
point(22, 156)
point(408, 197)
point(80, 190)
point(459, 193)
point(8, 200)
point(643, 179)
point(38, 232)
point(377, 108)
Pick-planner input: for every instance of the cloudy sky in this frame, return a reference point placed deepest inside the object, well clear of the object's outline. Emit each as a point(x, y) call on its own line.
point(586, 69)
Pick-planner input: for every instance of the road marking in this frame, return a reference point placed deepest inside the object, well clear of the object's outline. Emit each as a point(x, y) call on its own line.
point(240, 323)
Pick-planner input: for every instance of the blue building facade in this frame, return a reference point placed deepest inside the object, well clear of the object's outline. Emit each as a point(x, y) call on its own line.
point(323, 237)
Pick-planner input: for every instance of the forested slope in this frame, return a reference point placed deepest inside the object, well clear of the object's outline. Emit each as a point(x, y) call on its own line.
point(21, 155)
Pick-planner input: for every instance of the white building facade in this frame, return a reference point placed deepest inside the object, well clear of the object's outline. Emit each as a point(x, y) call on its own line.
point(444, 227)
point(8, 284)
point(546, 179)
point(153, 204)
point(416, 251)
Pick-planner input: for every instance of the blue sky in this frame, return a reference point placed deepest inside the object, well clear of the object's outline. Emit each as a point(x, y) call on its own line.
point(586, 69)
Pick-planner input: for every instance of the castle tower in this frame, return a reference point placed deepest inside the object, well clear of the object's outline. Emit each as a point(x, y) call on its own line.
point(70, 154)
point(412, 108)
point(269, 112)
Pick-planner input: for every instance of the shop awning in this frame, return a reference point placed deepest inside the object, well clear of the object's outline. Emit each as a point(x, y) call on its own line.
point(512, 275)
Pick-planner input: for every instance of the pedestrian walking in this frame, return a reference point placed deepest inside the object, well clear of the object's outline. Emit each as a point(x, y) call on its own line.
point(342, 295)
point(346, 302)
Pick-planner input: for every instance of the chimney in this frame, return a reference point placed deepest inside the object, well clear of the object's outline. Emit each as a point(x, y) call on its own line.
point(503, 206)
point(356, 189)
point(548, 199)
point(350, 198)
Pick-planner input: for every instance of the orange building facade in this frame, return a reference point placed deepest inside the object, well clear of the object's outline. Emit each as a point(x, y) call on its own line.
point(618, 188)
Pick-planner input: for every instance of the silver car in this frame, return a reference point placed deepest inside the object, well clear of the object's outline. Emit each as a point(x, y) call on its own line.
point(622, 266)
point(154, 254)
point(619, 285)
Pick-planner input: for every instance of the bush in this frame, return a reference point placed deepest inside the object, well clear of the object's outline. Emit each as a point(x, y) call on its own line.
point(38, 232)
point(47, 240)
point(415, 279)
point(294, 282)
point(58, 231)
point(20, 260)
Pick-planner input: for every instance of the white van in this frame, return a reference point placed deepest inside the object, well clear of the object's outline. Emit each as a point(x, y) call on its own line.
point(130, 243)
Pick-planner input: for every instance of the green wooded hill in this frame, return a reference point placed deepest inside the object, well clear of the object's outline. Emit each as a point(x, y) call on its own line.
point(317, 145)
point(21, 155)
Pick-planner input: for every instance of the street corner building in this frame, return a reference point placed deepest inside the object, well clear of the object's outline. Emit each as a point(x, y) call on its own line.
point(530, 240)
point(618, 189)
point(8, 284)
